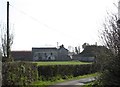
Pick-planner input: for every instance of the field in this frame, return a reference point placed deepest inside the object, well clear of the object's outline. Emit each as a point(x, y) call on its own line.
point(61, 63)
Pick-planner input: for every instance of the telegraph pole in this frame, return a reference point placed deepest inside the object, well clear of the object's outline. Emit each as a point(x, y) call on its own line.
point(8, 39)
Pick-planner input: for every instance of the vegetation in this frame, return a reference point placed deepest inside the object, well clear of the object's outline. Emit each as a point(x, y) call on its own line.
point(58, 72)
point(61, 63)
point(25, 73)
point(18, 73)
point(6, 43)
point(111, 65)
point(47, 83)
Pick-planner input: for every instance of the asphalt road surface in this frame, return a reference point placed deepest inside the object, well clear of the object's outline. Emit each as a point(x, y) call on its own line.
point(74, 83)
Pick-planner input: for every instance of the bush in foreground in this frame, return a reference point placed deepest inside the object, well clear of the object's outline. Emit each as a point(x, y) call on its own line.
point(18, 73)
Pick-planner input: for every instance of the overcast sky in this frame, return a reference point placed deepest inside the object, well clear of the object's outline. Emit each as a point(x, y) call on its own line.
point(41, 23)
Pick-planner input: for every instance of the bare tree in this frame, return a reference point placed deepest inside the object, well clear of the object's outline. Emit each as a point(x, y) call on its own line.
point(77, 50)
point(111, 62)
point(4, 41)
point(111, 34)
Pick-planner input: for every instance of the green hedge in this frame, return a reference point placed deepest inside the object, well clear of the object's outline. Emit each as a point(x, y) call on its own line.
point(18, 73)
point(23, 73)
point(51, 72)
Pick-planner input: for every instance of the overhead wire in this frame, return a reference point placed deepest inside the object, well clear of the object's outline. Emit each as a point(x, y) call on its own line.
point(59, 32)
point(36, 20)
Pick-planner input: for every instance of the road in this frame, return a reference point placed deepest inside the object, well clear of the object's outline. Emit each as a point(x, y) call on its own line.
point(75, 83)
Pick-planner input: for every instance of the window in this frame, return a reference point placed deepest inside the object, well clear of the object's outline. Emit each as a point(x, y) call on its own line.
point(51, 53)
point(45, 55)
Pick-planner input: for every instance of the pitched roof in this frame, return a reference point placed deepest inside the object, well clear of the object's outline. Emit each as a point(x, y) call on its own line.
point(62, 47)
point(44, 48)
point(22, 55)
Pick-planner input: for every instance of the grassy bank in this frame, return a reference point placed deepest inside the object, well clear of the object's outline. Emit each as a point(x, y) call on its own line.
point(46, 83)
point(61, 63)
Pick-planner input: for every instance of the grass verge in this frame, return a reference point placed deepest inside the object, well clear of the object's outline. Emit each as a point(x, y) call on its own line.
point(61, 63)
point(46, 83)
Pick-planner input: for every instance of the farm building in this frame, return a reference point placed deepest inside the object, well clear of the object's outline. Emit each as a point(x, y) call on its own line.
point(22, 55)
point(54, 53)
point(42, 54)
point(90, 53)
point(82, 58)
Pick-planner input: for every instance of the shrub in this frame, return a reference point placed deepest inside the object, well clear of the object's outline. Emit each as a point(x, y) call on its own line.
point(50, 72)
point(18, 73)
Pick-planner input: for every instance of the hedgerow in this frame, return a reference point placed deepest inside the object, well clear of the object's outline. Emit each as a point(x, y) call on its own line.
point(18, 73)
point(24, 73)
point(51, 72)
